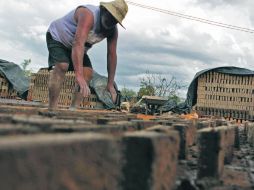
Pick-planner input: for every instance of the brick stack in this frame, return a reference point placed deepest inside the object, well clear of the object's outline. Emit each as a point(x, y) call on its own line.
point(230, 96)
point(100, 149)
point(39, 90)
point(6, 90)
point(72, 151)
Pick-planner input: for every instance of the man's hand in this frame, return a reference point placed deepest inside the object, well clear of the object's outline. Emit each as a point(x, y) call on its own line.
point(112, 91)
point(84, 88)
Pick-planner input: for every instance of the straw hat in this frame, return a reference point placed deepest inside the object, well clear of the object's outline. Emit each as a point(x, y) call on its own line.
point(118, 9)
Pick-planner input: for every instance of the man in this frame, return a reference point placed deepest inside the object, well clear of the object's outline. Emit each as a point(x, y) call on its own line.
point(70, 37)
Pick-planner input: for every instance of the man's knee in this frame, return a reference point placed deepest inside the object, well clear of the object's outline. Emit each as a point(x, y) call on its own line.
point(61, 67)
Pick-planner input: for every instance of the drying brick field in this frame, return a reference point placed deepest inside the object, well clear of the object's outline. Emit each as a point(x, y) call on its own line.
point(99, 150)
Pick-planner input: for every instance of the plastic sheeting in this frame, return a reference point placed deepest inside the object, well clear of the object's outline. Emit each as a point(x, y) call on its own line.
point(15, 75)
point(99, 84)
point(191, 98)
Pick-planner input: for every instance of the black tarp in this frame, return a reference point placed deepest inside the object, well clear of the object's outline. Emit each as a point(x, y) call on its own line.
point(99, 84)
point(191, 98)
point(16, 77)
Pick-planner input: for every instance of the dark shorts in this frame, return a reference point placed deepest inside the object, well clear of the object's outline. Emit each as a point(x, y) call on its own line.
point(58, 53)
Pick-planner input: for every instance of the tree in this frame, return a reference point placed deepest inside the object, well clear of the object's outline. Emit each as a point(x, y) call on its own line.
point(156, 85)
point(147, 90)
point(128, 93)
point(175, 98)
point(24, 66)
point(147, 87)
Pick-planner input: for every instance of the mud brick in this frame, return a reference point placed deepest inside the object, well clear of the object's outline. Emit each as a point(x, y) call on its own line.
point(56, 125)
point(230, 137)
point(150, 160)
point(10, 129)
point(232, 122)
point(117, 114)
point(126, 123)
point(131, 116)
point(250, 133)
point(45, 122)
point(159, 128)
point(18, 102)
point(86, 128)
point(202, 124)
point(212, 152)
point(233, 179)
point(115, 128)
point(77, 161)
point(123, 126)
point(165, 122)
point(89, 115)
point(246, 125)
point(191, 125)
point(134, 125)
point(192, 132)
point(221, 122)
point(5, 118)
point(237, 137)
point(130, 125)
point(144, 124)
point(105, 120)
point(183, 151)
point(187, 132)
point(60, 128)
point(18, 109)
point(170, 121)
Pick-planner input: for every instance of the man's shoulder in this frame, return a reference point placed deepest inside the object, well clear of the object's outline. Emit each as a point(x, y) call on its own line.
point(87, 9)
point(90, 7)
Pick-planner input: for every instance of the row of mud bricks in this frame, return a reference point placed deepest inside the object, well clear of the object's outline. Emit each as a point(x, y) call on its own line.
point(249, 130)
point(98, 150)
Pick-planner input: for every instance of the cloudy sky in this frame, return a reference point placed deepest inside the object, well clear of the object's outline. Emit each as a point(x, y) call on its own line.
point(161, 43)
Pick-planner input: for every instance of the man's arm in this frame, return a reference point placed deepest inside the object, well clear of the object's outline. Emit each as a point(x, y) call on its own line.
point(112, 62)
point(84, 19)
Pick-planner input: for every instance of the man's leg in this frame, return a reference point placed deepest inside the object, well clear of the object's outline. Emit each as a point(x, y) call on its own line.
point(55, 81)
point(77, 96)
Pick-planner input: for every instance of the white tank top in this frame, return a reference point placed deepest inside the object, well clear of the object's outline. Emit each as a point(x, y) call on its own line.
point(63, 30)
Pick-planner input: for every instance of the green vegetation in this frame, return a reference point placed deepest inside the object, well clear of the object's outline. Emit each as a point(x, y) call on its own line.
point(24, 66)
point(128, 93)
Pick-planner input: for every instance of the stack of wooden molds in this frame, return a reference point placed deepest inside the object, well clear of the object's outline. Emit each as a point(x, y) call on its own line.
point(39, 91)
point(230, 96)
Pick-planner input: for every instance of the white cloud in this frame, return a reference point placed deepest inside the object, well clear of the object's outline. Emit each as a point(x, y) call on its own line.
point(153, 41)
